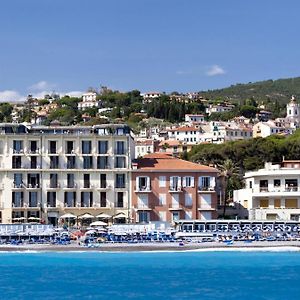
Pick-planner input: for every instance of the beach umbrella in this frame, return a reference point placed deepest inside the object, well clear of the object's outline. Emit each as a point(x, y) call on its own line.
point(33, 219)
point(98, 223)
point(68, 216)
point(103, 216)
point(86, 216)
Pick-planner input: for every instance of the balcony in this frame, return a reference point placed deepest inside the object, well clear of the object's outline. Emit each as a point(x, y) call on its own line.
point(18, 152)
point(53, 186)
point(103, 187)
point(206, 189)
point(32, 186)
point(143, 189)
point(18, 186)
point(176, 206)
point(70, 186)
point(175, 189)
point(277, 191)
point(205, 207)
point(142, 207)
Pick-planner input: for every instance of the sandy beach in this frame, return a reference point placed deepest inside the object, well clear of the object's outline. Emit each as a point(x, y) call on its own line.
point(119, 247)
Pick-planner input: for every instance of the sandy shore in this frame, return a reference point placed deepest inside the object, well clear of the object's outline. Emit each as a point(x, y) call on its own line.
point(210, 246)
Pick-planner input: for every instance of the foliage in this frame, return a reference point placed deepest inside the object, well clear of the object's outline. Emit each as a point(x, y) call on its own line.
point(5, 112)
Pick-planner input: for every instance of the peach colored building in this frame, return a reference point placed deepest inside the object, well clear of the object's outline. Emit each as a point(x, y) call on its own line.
point(165, 188)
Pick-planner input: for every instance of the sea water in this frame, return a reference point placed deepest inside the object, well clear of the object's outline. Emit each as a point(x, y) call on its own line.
point(164, 275)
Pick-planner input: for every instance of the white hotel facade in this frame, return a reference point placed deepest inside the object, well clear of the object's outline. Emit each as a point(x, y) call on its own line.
point(46, 172)
point(272, 193)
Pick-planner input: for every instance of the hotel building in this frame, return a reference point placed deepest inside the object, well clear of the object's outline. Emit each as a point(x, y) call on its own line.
point(165, 188)
point(46, 172)
point(272, 193)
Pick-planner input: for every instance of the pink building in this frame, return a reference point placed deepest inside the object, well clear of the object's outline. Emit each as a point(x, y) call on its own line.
point(165, 188)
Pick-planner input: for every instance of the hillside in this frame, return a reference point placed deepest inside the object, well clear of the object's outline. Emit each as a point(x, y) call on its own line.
point(267, 91)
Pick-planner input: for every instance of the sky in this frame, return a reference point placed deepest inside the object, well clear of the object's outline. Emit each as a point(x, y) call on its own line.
point(67, 46)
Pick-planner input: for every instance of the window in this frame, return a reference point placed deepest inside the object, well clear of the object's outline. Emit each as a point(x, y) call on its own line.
point(102, 147)
point(33, 201)
point(53, 180)
point(103, 181)
point(120, 162)
point(33, 147)
point(188, 200)
point(33, 180)
point(18, 180)
point(175, 216)
point(54, 162)
point(250, 184)
point(86, 147)
point(102, 162)
point(277, 183)
point(70, 199)
point(51, 199)
point(120, 199)
point(120, 147)
point(86, 199)
point(120, 131)
point(120, 181)
point(188, 181)
point(102, 199)
point(143, 183)
point(70, 147)
point(71, 162)
point(16, 162)
point(52, 147)
point(33, 162)
point(143, 217)
point(70, 180)
point(175, 183)
point(87, 162)
point(175, 201)
point(18, 146)
point(17, 199)
point(86, 180)
point(291, 184)
point(162, 198)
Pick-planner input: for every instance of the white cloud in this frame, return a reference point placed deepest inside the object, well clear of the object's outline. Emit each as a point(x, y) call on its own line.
point(41, 86)
point(215, 70)
point(11, 96)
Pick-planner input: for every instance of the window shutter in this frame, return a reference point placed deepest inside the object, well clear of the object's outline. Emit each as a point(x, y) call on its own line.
point(212, 182)
point(192, 181)
point(184, 181)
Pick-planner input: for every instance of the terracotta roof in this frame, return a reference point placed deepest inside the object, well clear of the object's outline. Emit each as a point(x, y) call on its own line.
point(165, 162)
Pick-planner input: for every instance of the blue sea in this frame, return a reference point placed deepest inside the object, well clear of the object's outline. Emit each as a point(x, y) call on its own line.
point(164, 275)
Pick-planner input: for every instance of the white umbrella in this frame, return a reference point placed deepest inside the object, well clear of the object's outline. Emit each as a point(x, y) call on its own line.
point(98, 223)
point(119, 216)
point(33, 218)
point(67, 216)
point(91, 232)
point(103, 216)
point(86, 216)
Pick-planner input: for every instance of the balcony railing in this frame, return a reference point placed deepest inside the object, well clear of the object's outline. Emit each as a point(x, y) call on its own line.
point(206, 188)
point(175, 188)
point(143, 189)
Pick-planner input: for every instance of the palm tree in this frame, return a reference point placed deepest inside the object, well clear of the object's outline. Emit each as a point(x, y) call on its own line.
point(230, 174)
